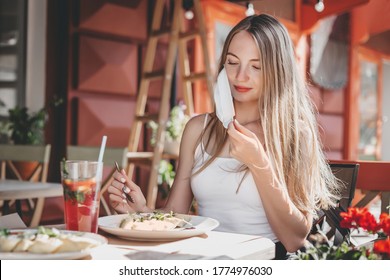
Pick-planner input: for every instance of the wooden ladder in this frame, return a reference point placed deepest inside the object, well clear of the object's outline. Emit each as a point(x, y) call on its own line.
point(178, 39)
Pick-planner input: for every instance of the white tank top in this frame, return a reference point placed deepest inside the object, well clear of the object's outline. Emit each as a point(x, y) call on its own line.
point(215, 192)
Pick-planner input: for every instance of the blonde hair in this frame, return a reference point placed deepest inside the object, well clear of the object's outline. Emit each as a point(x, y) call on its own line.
point(287, 118)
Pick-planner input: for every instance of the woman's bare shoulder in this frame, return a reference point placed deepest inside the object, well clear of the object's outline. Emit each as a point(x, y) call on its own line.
point(196, 124)
point(193, 129)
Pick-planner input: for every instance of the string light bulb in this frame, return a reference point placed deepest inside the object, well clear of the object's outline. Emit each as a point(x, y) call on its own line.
point(189, 14)
point(187, 6)
point(319, 7)
point(250, 10)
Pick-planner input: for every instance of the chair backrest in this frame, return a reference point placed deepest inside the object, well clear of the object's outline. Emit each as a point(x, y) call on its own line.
point(91, 153)
point(110, 156)
point(374, 181)
point(25, 163)
point(347, 173)
point(11, 154)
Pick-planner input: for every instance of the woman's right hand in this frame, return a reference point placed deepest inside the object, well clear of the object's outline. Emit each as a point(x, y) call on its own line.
point(117, 197)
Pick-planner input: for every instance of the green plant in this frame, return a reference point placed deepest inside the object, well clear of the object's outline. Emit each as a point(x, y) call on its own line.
point(166, 175)
point(173, 132)
point(4, 131)
point(328, 252)
point(26, 128)
point(174, 127)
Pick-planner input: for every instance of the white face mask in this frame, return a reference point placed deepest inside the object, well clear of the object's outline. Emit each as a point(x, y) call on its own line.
point(223, 99)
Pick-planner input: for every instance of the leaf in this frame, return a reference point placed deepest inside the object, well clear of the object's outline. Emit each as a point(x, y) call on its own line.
point(352, 255)
point(166, 174)
point(64, 170)
point(47, 231)
point(74, 195)
point(4, 232)
point(26, 128)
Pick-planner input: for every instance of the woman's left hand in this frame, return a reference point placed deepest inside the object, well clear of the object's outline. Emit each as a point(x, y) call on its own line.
point(245, 146)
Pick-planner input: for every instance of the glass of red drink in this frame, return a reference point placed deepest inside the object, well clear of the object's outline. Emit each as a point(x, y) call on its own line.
point(81, 181)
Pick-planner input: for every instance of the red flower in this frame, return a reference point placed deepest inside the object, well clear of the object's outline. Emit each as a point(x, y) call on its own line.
point(359, 218)
point(382, 247)
point(350, 217)
point(384, 222)
point(362, 218)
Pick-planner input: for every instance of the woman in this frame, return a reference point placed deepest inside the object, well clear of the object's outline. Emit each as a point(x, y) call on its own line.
point(266, 173)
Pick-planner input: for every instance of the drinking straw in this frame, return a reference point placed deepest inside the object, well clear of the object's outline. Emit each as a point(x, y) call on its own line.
point(100, 159)
point(102, 147)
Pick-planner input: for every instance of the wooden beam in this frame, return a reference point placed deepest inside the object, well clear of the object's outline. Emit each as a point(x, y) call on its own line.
point(310, 17)
point(369, 20)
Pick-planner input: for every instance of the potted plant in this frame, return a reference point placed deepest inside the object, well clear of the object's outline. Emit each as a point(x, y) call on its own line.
point(24, 128)
point(173, 131)
point(27, 128)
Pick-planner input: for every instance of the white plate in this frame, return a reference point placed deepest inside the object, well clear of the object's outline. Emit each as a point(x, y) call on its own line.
point(55, 256)
point(199, 226)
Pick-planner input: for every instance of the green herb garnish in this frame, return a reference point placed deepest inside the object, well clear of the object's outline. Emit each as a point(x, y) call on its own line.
point(48, 231)
point(64, 170)
point(79, 196)
point(4, 232)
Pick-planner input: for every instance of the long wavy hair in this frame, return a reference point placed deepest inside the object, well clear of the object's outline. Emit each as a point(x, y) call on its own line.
point(287, 118)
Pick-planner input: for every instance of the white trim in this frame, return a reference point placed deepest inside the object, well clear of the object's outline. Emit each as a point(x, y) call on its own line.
point(36, 54)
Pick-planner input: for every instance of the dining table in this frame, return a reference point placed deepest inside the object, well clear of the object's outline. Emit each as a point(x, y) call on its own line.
point(15, 189)
point(209, 245)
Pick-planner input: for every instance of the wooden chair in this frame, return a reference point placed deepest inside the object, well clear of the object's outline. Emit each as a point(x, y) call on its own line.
point(347, 174)
point(373, 181)
point(12, 158)
point(110, 156)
